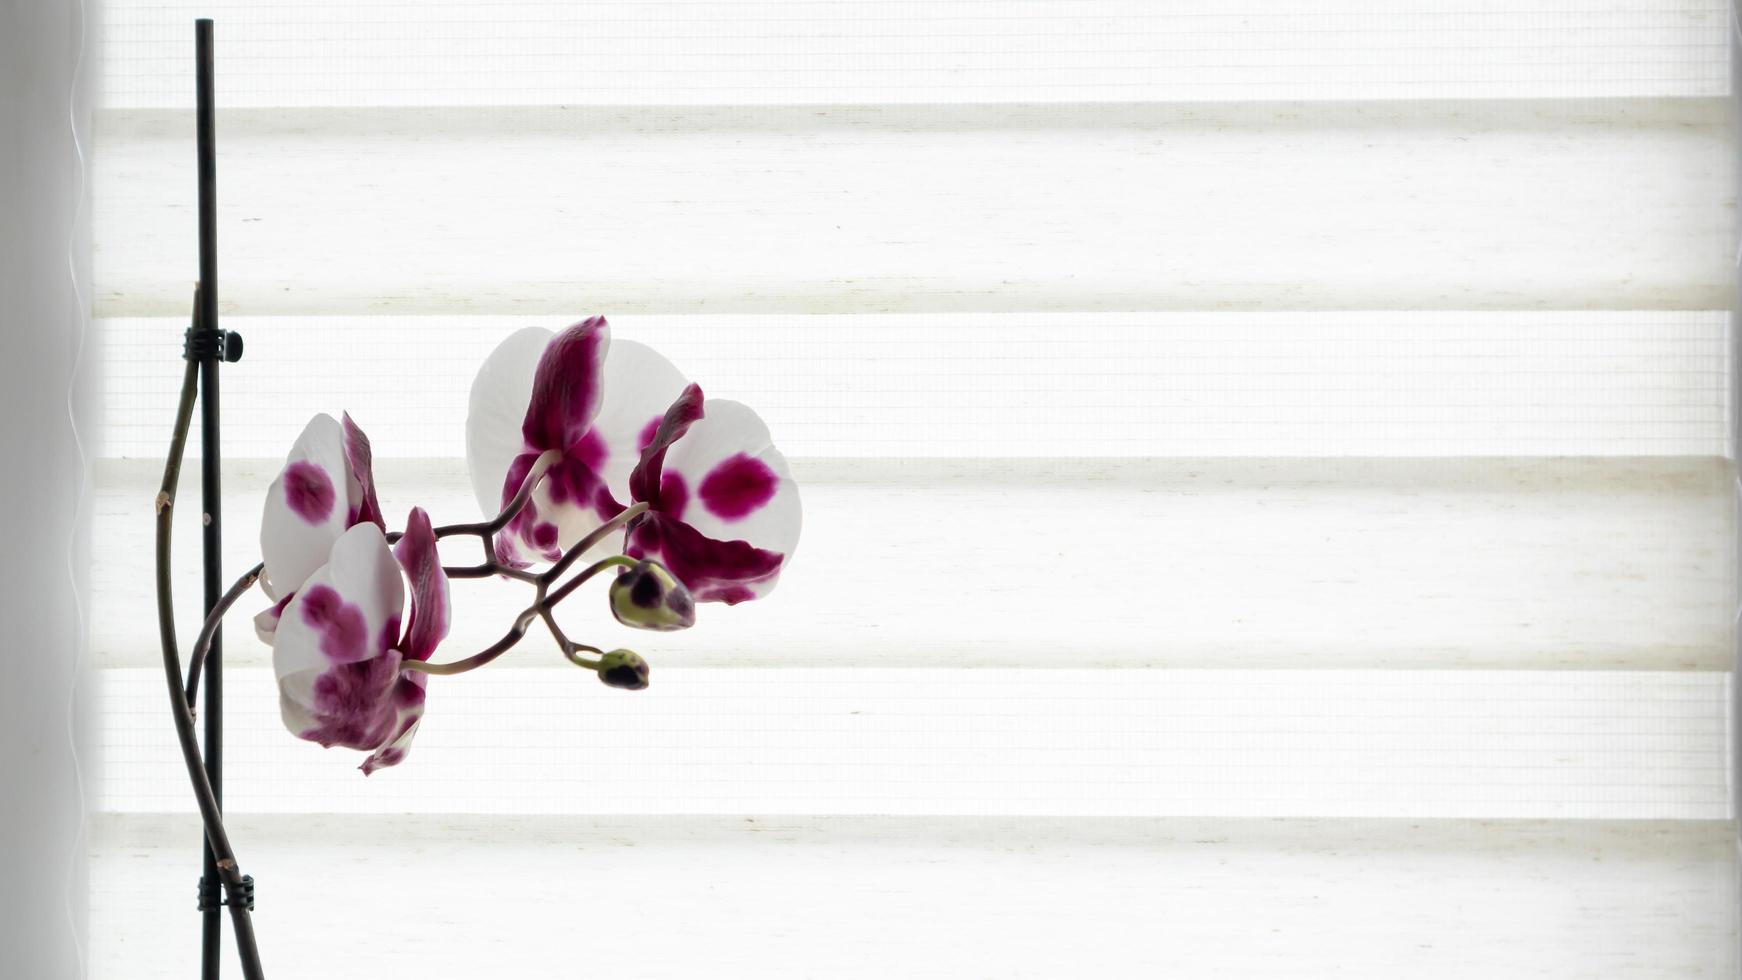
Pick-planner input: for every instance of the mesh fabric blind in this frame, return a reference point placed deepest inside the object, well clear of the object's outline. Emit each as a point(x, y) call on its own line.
point(1267, 473)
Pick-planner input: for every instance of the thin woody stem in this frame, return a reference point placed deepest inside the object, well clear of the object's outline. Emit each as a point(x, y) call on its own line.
point(615, 561)
point(485, 529)
point(580, 661)
point(556, 632)
point(203, 643)
point(488, 569)
point(482, 657)
point(540, 609)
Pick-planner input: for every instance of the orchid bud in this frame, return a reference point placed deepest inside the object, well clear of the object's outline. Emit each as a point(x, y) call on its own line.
point(624, 669)
point(647, 596)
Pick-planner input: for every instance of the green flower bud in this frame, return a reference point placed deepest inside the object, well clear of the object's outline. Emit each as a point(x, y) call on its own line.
point(624, 669)
point(648, 596)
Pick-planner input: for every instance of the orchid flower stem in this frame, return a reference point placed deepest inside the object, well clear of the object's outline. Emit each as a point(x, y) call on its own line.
point(567, 645)
point(540, 609)
point(586, 544)
point(488, 569)
point(247, 950)
point(203, 643)
point(485, 529)
point(514, 635)
point(573, 653)
point(615, 561)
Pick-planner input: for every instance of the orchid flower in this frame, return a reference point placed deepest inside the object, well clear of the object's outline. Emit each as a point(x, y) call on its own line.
point(334, 629)
point(575, 392)
point(723, 510)
point(305, 513)
point(338, 649)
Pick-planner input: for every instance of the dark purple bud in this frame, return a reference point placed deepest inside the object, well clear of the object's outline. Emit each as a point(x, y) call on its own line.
point(647, 596)
point(624, 669)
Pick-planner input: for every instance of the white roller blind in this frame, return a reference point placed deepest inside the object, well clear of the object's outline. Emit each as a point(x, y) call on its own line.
point(1267, 472)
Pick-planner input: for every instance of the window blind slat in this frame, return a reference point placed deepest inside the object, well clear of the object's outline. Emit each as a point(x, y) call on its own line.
point(879, 897)
point(1058, 386)
point(1613, 204)
point(390, 52)
point(1403, 563)
point(1093, 743)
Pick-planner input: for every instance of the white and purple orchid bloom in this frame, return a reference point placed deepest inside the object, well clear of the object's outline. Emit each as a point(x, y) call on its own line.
point(335, 627)
point(339, 645)
point(306, 509)
point(723, 511)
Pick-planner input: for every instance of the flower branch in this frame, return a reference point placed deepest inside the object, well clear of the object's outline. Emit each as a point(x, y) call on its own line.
point(572, 442)
point(209, 629)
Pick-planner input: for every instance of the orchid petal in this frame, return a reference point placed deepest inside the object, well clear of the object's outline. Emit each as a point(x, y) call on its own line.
point(565, 507)
point(590, 484)
point(332, 651)
point(348, 705)
point(427, 620)
point(500, 394)
point(645, 481)
point(407, 701)
point(639, 385)
point(266, 621)
point(738, 485)
point(726, 511)
point(360, 467)
point(305, 510)
point(567, 387)
point(714, 571)
point(568, 503)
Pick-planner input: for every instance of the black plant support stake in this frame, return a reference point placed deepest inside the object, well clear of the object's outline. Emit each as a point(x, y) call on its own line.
point(212, 924)
point(204, 347)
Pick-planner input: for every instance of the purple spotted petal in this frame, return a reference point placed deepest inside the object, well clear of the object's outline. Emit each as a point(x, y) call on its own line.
point(713, 570)
point(644, 482)
point(566, 388)
point(522, 537)
point(407, 701)
point(571, 501)
point(335, 652)
point(639, 385)
point(726, 482)
point(332, 651)
point(427, 621)
point(350, 705)
point(361, 485)
point(306, 507)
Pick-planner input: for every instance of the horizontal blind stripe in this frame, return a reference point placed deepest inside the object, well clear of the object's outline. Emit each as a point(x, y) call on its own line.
point(389, 52)
point(1570, 564)
point(975, 386)
point(1350, 744)
point(1611, 204)
point(882, 897)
